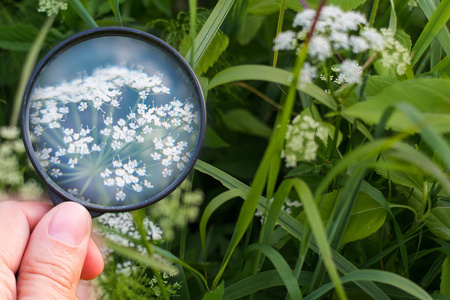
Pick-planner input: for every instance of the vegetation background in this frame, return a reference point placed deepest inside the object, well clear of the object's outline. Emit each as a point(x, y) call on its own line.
point(365, 215)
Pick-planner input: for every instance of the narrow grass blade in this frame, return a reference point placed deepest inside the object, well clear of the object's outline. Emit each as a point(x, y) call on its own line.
point(27, 69)
point(192, 29)
point(429, 7)
point(147, 260)
point(114, 4)
point(176, 260)
point(377, 276)
point(274, 211)
point(430, 136)
point(378, 196)
point(212, 206)
point(270, 74)
point(261, 281)
point(318, 231)
point(284, 271)
point(83, 13)
point(291, 225)
point(279, 27)
point(438, 20)
point(209, 29)
point(247, 211)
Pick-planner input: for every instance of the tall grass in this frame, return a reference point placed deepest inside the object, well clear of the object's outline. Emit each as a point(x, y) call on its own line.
point(373, 213)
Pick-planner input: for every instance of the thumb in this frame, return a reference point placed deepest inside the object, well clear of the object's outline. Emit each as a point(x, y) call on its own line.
point(55, 254)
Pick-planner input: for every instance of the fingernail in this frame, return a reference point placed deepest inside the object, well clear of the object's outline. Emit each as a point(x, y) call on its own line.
point(69, 224)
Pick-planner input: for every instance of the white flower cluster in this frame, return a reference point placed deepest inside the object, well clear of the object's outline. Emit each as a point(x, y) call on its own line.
point(11, 177)
point(288, 206)
point(52, 7)
point(394, 53)
point(301, 141)
point(122, 230)
point(343, 33)
point(166, 131)
point(177, 209)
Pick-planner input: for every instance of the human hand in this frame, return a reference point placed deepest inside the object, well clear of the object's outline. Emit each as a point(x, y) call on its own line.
point(45, 250)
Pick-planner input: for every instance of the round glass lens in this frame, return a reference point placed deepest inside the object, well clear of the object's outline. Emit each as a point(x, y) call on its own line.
point(115, 120)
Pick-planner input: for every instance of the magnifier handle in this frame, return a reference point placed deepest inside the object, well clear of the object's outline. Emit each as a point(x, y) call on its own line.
point(56, 199)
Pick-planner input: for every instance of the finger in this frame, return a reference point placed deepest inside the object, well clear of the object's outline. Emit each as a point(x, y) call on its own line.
point(93, 264)
point(53, 260)
point(17, 219)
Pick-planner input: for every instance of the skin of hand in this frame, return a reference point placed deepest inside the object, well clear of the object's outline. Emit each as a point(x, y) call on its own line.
point(45, 250)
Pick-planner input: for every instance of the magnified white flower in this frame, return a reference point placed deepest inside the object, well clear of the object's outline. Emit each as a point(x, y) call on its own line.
point(99, 143)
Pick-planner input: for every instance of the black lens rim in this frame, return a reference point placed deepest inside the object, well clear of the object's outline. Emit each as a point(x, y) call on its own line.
point(77, 39)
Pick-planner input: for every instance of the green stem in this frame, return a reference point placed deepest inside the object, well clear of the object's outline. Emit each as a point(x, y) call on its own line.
point(138, 217)
point(373, 12)
point(192, 29)
point(405, 207)
point(27, 69)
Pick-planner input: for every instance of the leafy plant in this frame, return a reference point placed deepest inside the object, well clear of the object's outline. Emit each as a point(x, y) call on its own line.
point(340, 107)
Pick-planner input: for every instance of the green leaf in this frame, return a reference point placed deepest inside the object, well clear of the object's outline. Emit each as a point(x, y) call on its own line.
point(217, 294)
point(243, 121)
point(261, 281)
point(209, 29)
point(439, 222)
point(263, 7)
point(378, 276)
point(318, 231)
point(83, 13)
point(17, 37)
point(150, 261)
point(270, 74)
point(213, 140)
point(437, 21)
point(430, 96)
point(114, 4)
point(445, 277)
point(377, 83)
point(442, 69)
point(212, 53)
point(411, 176)
point(212, 206)
point(291, 225)
point(281, 266)
point(366, 217)
point(249, 28)
point(429, 7)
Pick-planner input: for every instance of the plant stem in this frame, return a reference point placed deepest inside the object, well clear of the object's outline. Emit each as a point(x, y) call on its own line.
point(27, 69)
point(373, 12)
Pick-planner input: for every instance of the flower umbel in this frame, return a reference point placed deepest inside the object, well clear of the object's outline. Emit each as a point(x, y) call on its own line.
point(301, 141)
point(114, 129)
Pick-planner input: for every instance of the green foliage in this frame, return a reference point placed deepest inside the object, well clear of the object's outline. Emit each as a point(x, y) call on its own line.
point(435, 109)
point(371, 197)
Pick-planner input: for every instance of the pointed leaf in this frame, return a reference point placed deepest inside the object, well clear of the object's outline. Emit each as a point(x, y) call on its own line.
point(439, 222)
point(445, 277)
point(430, 96)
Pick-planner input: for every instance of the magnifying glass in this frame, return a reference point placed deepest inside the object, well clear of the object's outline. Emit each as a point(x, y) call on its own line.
point(114, 119)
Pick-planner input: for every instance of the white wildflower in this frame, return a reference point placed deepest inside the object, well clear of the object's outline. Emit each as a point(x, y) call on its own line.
point(320, 48)
point(52, 7)
point(350, 72)
point(285, 41)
